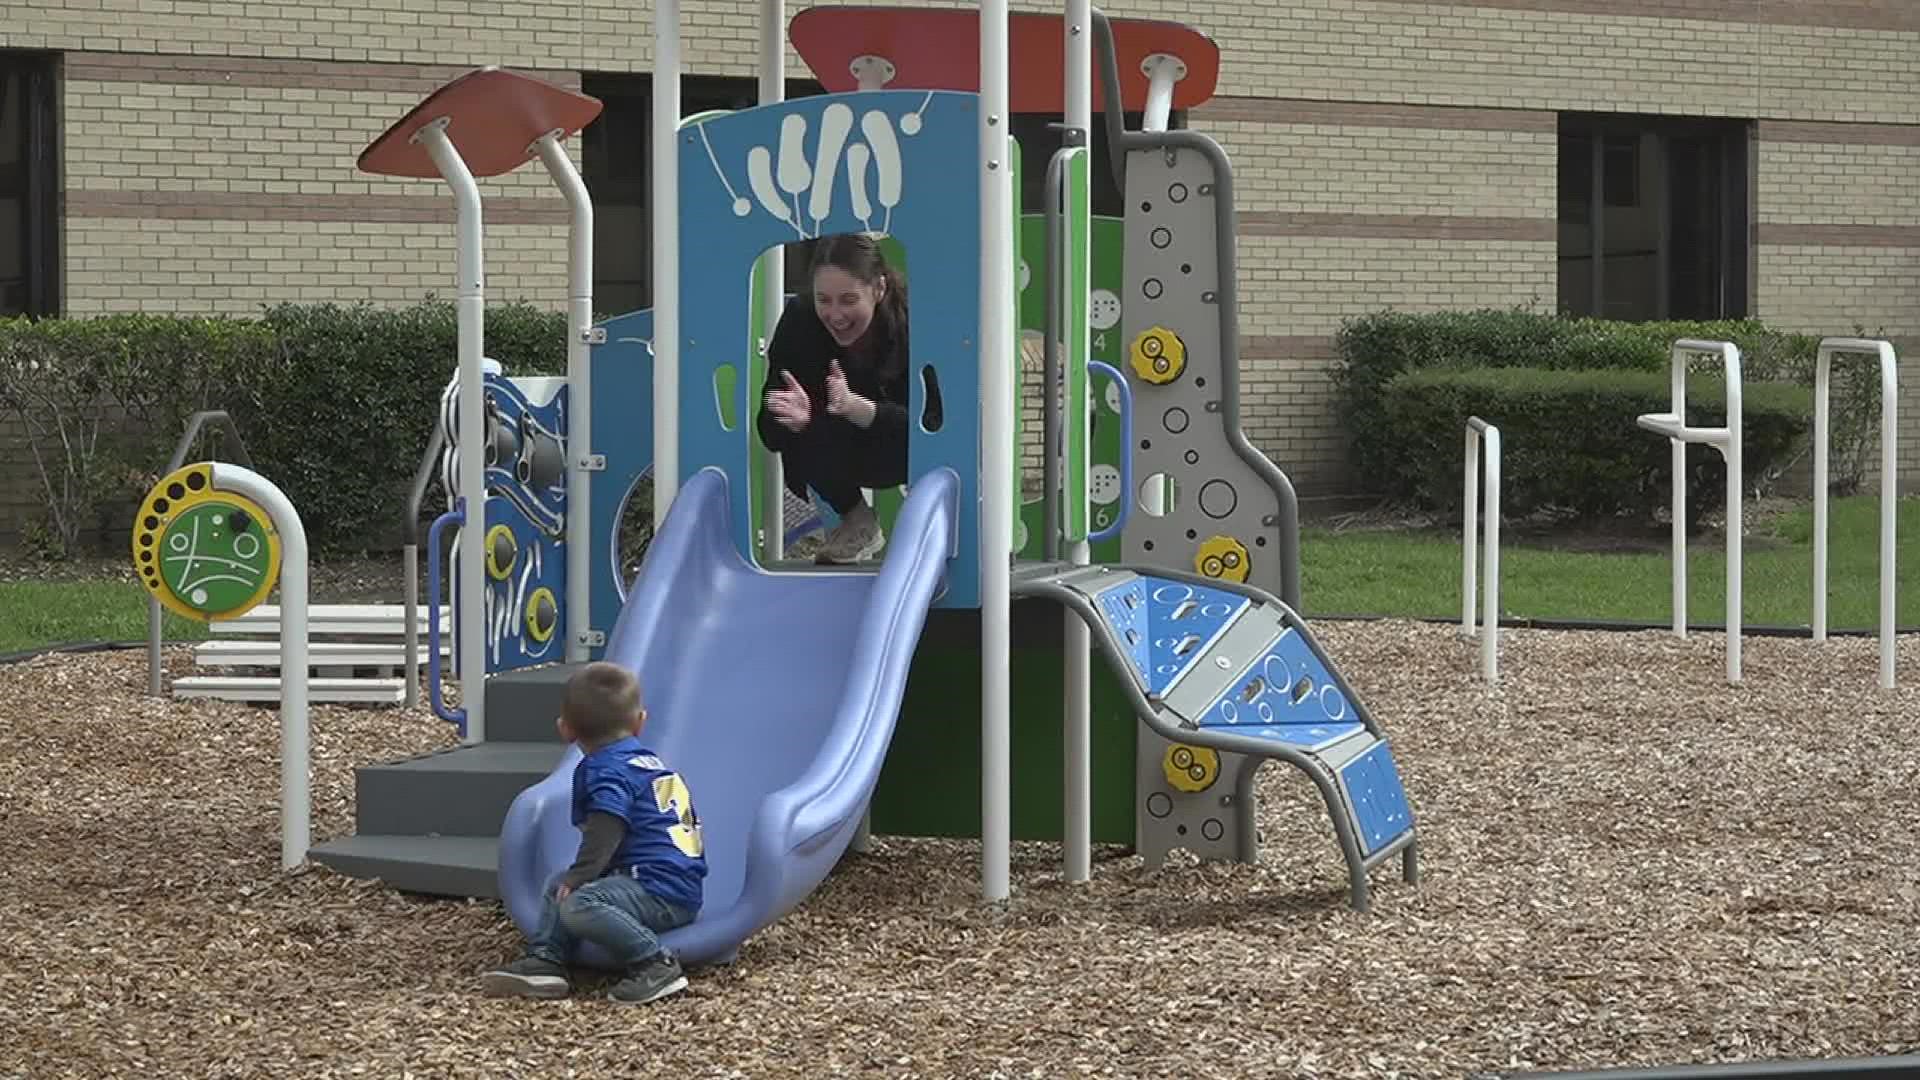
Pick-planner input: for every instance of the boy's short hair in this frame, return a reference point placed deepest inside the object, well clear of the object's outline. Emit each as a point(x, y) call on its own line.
point(601, 701)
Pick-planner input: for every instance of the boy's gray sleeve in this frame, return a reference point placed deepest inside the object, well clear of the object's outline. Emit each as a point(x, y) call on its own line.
point(599, 838)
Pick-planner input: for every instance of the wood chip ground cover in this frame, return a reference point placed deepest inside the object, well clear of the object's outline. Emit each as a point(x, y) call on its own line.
point(1624, 862)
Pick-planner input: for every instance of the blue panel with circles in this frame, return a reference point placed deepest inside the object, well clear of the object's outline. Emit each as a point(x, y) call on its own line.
point(1290, 685)
point(1125, 608)
point(1186, 620)
point(1372, 783)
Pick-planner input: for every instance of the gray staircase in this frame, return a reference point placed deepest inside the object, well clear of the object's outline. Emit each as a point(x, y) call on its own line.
point(431, 823)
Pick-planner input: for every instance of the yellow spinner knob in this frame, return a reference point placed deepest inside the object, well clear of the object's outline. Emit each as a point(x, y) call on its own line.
point(1222, 557)
point(1190, 768)
point(1158, 356)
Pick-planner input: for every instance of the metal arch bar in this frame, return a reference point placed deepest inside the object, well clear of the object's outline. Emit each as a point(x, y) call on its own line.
point(1889, 463)
point(219, 419)
point(410, 553)
point(296, 796)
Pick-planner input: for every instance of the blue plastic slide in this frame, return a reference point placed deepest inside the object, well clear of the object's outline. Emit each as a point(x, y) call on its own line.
point(774, 695)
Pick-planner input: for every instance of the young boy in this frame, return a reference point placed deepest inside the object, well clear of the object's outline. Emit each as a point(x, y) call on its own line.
point(641, 861)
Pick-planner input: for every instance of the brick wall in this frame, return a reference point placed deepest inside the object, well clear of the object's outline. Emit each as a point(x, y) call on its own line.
point(1389, 153)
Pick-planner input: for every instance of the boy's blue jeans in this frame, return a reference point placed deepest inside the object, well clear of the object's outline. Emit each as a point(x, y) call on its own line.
point(614, 912)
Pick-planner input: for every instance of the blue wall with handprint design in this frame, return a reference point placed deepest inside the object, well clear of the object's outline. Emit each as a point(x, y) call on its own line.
point(901, 162)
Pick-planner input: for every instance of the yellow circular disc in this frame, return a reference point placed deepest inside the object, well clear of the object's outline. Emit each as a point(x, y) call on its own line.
point(543, 614)
point(1222, 557)
point(1158, 355)
point(502, 552)
point(205, 554)
point(1190, 768)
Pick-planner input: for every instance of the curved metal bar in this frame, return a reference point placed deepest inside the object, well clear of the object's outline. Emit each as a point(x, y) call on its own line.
point(456, 717)
point(410, 553)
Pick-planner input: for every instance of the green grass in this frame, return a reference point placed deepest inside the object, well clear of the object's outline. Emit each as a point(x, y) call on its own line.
point(1418, 574)
point(34, 614)
point(1343, 573)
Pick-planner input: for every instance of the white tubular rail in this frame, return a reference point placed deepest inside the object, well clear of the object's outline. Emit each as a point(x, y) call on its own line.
point(1078, 64)
point(996, 454)
point(1822, 441)
point(1480, 433)
point(665, 159)
point(1725, 439)
point(579, 385)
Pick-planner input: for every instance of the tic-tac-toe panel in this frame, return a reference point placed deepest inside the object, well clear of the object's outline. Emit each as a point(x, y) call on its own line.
point(1222, 516)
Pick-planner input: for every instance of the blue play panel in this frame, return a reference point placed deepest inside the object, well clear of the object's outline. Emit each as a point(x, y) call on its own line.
point(1372, 784)
point(1185, 621)
point(1289, 685)
point(1125, 609)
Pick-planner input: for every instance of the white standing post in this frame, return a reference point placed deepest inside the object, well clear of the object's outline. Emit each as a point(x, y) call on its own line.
point(1162, 72)
point(579, 387)
point(996, 455)
point(1727, 440)
point(471, 316)
point(773, 273)
point(1822, 443)
point(665, 178)
point(1078, 677)
point(1479, 434)
point(296, 796)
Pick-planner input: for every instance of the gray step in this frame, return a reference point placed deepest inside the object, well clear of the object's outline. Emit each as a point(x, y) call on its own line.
point(460, 792)
point(439, 865)
point(522, 704)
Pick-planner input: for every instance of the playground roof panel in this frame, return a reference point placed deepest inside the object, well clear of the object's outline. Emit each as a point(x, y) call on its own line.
point(939, 49)
point(494, 116)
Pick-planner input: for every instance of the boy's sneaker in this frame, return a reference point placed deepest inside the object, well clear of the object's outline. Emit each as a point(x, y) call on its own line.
point(651, 979)
point(529, 976)
point(856, 538)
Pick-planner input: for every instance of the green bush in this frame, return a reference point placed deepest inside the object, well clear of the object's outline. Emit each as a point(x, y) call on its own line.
point(1374, 349)
point(1569, 441)
point(334, 404)
point(341, 414)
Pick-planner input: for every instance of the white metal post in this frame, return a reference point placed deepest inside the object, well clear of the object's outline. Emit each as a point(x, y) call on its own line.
point(579, 386)
point(1822, 441)
point(1728, 441)
point(1162, 72)
point(1078, 677)
point(471, 316)
point(1479, 434)
point(296, 797)
point(773, 272)
point(664, 174)
point(996, 456)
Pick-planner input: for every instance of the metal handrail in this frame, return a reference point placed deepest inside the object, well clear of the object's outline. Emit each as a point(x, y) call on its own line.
point(410, 532)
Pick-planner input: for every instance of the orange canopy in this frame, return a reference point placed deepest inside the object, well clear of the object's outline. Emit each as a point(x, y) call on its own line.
point(493, 115)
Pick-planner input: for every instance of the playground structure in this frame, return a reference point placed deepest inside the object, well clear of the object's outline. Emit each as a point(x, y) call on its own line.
point(1212, 671)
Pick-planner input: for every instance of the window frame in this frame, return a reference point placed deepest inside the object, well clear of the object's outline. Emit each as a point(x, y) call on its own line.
point(37, 181)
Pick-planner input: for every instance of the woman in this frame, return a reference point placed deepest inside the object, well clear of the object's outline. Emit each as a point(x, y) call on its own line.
point(835, 401)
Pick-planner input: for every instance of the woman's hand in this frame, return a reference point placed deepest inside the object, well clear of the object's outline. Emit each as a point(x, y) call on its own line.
point(791, 406)
point(843, 402)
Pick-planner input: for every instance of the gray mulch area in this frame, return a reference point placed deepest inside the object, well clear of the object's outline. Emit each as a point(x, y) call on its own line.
point(1624, 862)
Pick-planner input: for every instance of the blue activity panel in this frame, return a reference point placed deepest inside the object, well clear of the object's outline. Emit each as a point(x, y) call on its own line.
point(1125, 609)
point(1290, 684)
point(904, 163)
point(622, 404)
point(1372, 785)
point(1186, 621)
point(523, 537)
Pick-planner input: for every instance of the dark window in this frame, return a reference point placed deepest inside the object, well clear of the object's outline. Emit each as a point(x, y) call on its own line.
point(1653, 217)
point(29, 186)
point(615, 152)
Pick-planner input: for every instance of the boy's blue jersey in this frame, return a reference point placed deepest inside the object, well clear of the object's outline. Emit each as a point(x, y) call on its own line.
point(663, 839)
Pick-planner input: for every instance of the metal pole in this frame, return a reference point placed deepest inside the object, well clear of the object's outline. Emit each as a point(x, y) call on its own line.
point(664, 175)
point(1889, 405)
point(472, 656)
point(410, 531)
point(1677, 374)
point(1470, 513)
point(996, 454)
point(1078, 641)
point(1736, 538)
point(579, 387)
point(773, 273)
point(296, 832)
